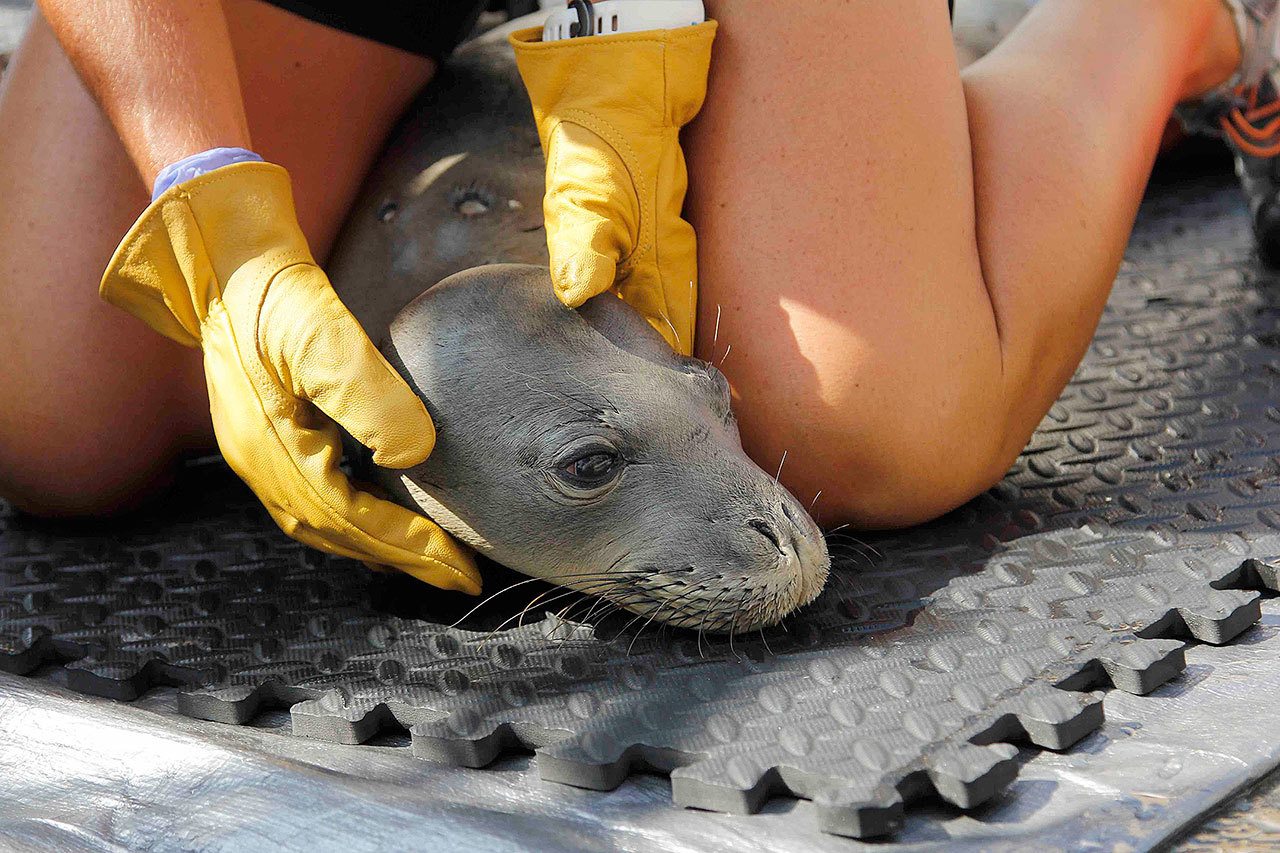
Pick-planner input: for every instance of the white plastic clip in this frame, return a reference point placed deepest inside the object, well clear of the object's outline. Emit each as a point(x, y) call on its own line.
point(606, 17)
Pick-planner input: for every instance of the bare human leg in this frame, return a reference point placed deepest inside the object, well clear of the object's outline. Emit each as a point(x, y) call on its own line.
point(909, 262)
point(97, 408)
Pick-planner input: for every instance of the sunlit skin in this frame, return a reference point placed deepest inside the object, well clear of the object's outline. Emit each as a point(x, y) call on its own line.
point(98, 407)
point(907, 261)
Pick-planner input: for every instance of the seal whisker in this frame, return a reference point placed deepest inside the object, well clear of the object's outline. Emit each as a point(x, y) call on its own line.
point(599, 598)
point(837, 547)
point(848, 552)
point(595, 600)
point(464, 617)
point(583, 596)
point(687, 595)
point(611, 600)
point(693, 311)
point(733, 626)
point(570, 606)
point(494, 595)
point(671, 326)
point(676, 607)
point(845, 542)
point(613, 606)
point(592, 601)
point(562, 592)
point(652, 616)
point(588, 408)
point(780, 464)
point(558, 596)
point(857, 541)
point(584, 407)
point(854, 560)
point(765, 640)
point(843, 582)
point(571, 378)
point(645, 596)
point(726, 355)
point(529, 385)
point(710, 609)
point(598, 593)
point(624, 628)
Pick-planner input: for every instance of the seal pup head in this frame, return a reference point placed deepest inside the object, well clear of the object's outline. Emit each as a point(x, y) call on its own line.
point(576, 447)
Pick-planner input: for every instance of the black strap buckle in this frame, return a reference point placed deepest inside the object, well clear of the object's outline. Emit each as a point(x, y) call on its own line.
point(586, 14)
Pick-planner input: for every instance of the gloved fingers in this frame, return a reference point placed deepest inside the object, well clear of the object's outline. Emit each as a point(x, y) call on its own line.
point(579, 274)
point(592, 213)
point(669, 308)
point(289, 456)
point(384, 570)
point(320, 354)
point(316, 504)
point(442, 564)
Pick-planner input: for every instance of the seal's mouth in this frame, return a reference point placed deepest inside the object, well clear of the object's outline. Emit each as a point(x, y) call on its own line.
point(744, 597)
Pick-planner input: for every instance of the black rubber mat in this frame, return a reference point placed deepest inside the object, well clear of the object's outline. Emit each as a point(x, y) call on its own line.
point(1142, 512)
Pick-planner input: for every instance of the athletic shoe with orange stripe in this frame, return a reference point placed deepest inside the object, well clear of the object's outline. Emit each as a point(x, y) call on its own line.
point(1245, 111)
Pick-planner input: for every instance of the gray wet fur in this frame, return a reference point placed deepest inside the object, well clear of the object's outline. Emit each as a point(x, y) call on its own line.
point(509, 376)
point(688, 530)
point(459, 185)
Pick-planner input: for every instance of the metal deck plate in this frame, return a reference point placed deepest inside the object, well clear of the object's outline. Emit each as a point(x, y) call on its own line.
point(1145, 507)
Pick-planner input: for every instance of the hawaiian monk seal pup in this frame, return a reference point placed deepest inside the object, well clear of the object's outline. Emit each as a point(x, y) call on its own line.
point(577, 447)
point(460, 185)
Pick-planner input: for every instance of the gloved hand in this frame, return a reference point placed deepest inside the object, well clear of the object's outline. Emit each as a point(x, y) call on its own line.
point(609, 111)
point(219, 262)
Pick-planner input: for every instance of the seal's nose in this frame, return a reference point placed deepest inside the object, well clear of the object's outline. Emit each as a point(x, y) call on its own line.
point(796, 524)
point(803, 546)
point(782, 531)
point(767, 530)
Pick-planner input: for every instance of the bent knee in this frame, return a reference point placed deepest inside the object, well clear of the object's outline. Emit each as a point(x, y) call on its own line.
point(920, 485)
point(889, 477)
point(83, 468)
point(61, 479)
point(100, 432)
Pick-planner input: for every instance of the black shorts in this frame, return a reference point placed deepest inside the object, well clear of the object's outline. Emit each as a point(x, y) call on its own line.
point(427, 27)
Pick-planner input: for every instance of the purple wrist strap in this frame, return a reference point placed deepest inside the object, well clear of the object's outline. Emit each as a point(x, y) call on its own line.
point(197, 164)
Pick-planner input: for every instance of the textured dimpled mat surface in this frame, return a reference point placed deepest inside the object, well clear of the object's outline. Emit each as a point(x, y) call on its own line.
point(1145, 513)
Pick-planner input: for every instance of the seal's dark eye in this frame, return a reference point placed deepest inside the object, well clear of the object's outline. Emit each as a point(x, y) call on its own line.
point(592, 469)
point(586, 470)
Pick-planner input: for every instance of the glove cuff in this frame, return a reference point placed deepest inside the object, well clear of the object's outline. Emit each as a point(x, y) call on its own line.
point(199, 164)
point(660, 74)
point(186, 246)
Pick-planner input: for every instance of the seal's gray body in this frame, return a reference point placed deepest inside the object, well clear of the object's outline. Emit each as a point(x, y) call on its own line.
point(459, 185)
point(524, 392)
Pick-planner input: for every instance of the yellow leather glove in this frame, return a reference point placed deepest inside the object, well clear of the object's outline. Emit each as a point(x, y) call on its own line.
point(220, 263)
point(609, 111)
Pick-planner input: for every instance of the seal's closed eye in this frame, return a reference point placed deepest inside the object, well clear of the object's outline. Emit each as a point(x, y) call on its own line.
point(578, 448)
